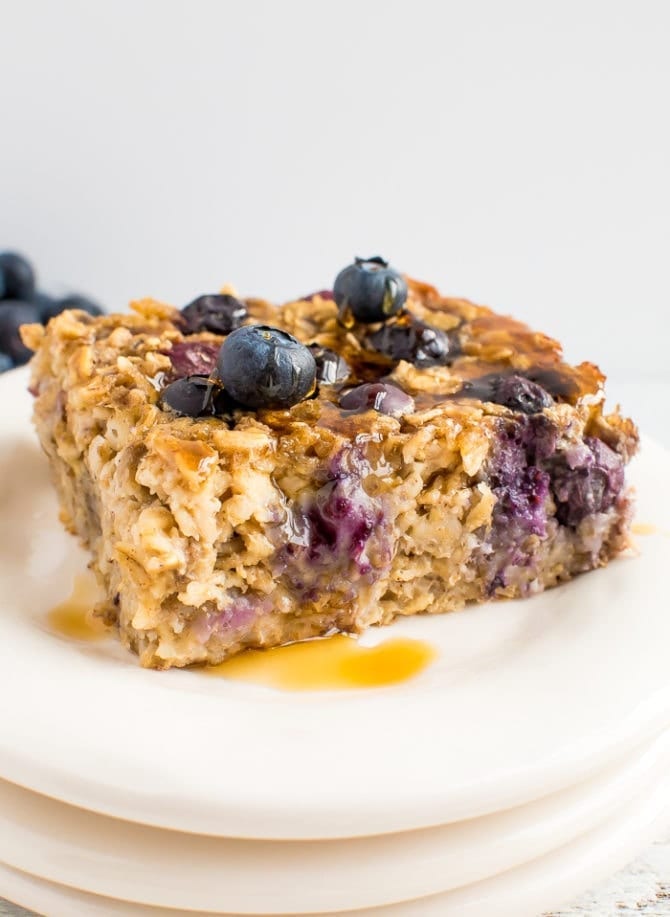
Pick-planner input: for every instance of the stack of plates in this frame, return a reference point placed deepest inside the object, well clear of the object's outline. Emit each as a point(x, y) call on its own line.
point(530, 759)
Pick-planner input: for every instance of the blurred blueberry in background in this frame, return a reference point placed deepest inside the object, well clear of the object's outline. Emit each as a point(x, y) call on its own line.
point(21, 304)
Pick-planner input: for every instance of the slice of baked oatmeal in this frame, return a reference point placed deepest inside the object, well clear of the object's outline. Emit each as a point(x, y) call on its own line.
point(419, 453)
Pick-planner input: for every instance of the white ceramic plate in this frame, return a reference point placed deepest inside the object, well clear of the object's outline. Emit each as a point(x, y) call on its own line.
point(531, 889)
point(526, 697)
point(154, 866)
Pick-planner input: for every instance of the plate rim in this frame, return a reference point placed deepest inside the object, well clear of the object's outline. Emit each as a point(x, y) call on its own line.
point(193, 809)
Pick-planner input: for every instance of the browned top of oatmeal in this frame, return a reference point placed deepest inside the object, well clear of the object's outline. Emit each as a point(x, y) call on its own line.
point(123, 360)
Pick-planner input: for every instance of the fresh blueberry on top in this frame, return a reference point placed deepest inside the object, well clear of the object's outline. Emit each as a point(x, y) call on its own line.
point(17, 278)
point(520, 394)
point(379, 396)
point(6, 362)
point(330, 366)
point(263, 367)
point(190, 396)
point(13, 314)
point(410, 339)
point(370, 289)
point(219, 313)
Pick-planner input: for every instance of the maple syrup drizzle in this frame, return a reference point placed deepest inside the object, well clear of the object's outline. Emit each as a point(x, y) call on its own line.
point(73, 618)
point(331, 663)
point(324, 664)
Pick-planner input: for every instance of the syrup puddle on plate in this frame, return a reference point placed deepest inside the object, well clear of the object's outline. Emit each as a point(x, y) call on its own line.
point(325, 664)
point(73, 618)
point(330, 663)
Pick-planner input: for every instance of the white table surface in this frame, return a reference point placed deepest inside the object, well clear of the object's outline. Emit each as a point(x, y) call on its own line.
point(643, 888)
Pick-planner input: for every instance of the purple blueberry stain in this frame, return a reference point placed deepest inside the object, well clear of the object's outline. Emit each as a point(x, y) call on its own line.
point(239, 615)
point(342, 520)
point(520, 485)
point(343, 517)
point(340, 528)
point(525, 471)
point(586, 479)
point(193, 358)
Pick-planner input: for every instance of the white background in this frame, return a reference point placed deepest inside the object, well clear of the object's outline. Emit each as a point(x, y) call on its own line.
point(517, 153)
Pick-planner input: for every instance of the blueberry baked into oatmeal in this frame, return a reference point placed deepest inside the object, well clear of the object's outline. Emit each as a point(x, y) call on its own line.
point(248, 475)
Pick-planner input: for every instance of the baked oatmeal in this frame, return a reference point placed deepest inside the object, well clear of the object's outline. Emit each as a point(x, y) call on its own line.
point(248, 475)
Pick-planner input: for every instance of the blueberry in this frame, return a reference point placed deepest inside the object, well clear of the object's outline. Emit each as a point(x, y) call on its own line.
point(219, 313)
point(6, 362)
point(46, 305)
point(410, 339)
point(17, 278)
point(264, 367)
point(222, 404)
point(74, 301)
point(520, 394)
point(370, 290)
point(379, 396)
point(13, 314)
point(190, 396)
point(330, 366)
